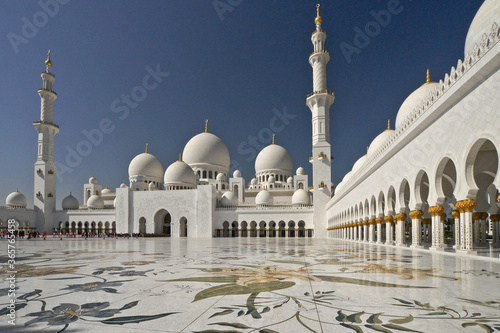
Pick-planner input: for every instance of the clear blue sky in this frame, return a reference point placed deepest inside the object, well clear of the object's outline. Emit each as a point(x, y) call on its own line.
point(233, 67)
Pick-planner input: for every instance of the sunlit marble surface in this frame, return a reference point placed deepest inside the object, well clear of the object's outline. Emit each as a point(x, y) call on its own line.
point(246, 285)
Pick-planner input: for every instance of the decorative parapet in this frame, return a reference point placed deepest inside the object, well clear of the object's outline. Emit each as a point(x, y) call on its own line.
point(456, 73)
point(275, 207)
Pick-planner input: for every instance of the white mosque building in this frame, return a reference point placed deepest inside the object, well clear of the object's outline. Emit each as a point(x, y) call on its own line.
point(439, 165)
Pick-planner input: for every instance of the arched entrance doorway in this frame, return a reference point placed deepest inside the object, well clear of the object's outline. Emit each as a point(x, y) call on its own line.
point(183, 231)
point(163, 223)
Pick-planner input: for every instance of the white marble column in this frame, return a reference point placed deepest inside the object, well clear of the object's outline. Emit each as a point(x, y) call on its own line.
point(365, 231)
point(416, 224)
point(494, 219)
point(371, 230)
point(437, 226)
point(466, 232)
point(378, 221)
point(400, 229)
point(389, 240)
point(456, 218)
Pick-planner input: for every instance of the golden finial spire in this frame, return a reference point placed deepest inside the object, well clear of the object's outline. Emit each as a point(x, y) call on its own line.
point(70, 193)
point(388, 124)
point(274, 139)
point(180, 157)
point(428, 76)
point(318, 18)
point(107, 187)
point(367, 147)
point(48, 62)
point(17, 189)
point(206, 125)
point(146, 148)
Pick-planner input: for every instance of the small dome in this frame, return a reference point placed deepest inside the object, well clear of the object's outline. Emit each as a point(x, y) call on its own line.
point(16, 199)
point(146, 165)
point(359, 163)
point(92, 180)
point(271, 179)
point(237, 174)
point(264, 197)
point(70, 202)
point(220, 177)
point(379, 141)
point(106, 191)
point(300, 197)
point(289, 180)
point(482, 23)
point(274, 158)
point(300, 171)
point(347, 177)
point(229, 199)
point(179, 174)
point(338, 187)
point(253, 181)
point(206, 148)
point(123, 185)
point(152, 186)
point(95, 202)
point(412, 101)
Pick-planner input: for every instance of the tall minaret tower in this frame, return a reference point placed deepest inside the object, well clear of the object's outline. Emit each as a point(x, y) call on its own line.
point(319, 101)
point(45, 169)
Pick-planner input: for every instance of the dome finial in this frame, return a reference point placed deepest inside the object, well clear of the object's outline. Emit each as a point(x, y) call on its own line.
point(146, 148)
point(48, 63)
point(428, 76)
point(206, 125)
point(274, 139)
point(107, 188)
point(318, 17)
point(388, 124)
point(180, 157)
point(17, 189)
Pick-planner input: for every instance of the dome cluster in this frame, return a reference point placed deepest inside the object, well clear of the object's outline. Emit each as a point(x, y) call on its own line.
point(482, 23)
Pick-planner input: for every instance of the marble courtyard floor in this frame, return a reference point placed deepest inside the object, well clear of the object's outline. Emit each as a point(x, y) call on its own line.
point(246, 285)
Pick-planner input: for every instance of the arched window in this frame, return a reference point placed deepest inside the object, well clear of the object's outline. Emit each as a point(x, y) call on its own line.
point(204, 174)
point(210, 175)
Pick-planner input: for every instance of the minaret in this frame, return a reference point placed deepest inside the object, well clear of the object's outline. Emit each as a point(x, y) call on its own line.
point(320, 101)
point(45, 169)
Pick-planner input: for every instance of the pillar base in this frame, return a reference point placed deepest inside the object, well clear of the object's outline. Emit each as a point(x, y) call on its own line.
point(379, 242)
point(416, 247)
point(435, 248)
point(402, 245)
point(389, 243)
point(471, 252)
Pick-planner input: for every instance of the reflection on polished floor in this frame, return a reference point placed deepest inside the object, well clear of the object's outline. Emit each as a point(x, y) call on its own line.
point(247, 285)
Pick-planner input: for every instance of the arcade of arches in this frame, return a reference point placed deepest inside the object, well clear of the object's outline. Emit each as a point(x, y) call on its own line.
point(394, 217)
point(263, 229)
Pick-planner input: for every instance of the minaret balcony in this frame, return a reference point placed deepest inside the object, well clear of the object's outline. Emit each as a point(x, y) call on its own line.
point(52, 91)
point(45, 123)
point(311, 159)
point(320, 51)
point(321, 92)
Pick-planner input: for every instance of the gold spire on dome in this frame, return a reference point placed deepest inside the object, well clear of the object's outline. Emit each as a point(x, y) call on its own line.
point(388, 124)
point(428, 76)
point(48, 63)
point(206, 125)
point(146, 148)
point(17, 189)
point(107, 188)
point(318, 18)
point(180, 157)
point(274, 139)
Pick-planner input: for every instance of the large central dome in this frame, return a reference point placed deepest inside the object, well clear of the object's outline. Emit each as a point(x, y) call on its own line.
point(274, 158)
point(206, 148)
point(488, 14)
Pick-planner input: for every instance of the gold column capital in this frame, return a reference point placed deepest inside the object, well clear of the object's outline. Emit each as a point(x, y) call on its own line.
point(401, 217)
point(436, 211)
point(485, 216)
point(498, 198)
point(477, 216)
point(426, 221)
point(379, 220)
point(388, 219)
point(443, 217)
point(371, 222)
point(456, 214)
point(365, 222)
point(466, 206)
point(495, 218)
point(416, 214)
